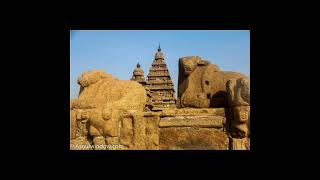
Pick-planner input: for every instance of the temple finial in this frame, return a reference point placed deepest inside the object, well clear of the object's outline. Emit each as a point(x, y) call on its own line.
point(138, 65)
point(159, 49)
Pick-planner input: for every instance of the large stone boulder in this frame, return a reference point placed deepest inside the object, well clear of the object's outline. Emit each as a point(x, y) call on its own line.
point(202, 84)
point(102, 99)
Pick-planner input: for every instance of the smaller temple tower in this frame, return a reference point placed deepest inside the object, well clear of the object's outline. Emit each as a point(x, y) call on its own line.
point(138, 75)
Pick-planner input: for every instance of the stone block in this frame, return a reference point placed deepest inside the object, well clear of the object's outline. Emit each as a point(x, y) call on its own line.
point(191, 138)
point(193, 121)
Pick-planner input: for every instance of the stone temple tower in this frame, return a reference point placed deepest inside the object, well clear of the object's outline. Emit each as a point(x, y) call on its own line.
point(138, 75)
point(160, 85)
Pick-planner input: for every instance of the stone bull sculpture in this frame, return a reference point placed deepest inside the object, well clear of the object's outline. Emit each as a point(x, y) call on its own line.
point(202, 84)
point(102, 99)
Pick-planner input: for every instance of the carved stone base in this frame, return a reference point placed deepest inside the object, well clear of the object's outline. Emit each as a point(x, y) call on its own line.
point(240, 144)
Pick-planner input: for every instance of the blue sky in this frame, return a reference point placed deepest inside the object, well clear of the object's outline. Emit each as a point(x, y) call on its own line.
point(118, 51)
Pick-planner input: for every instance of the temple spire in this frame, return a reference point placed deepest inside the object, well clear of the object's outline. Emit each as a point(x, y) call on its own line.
point(138, 75)
point(160, 85)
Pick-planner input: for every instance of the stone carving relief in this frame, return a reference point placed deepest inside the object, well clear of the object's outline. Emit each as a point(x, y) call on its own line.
point(239, 103)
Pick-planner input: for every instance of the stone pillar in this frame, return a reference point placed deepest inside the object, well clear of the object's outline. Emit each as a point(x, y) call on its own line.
point(239, 113)
point(79, 131)
point(132, 131)
point(139, 132)
point(239, 128)
point(152, 130)
point(126, 131)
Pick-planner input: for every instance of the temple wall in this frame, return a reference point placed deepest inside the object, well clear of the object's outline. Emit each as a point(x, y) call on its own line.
point(174, 129)
point(193, 129)
point(170, 129)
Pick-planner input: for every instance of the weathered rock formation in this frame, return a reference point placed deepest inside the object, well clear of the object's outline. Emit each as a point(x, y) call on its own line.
point(202, 84)
point(239, 112)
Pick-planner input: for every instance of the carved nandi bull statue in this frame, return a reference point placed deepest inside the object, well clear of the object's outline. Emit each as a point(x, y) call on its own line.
point(202, 84)
point(102, 99)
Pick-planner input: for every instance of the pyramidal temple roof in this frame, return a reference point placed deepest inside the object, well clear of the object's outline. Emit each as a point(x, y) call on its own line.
point(158, 84)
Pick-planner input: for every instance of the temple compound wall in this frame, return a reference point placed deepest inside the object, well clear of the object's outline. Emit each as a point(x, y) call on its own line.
point(171, 129)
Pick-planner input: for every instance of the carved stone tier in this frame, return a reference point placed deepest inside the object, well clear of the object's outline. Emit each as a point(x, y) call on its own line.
point(158, 74)
point(160, 82)
point(194, 121)
point(161, 87)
